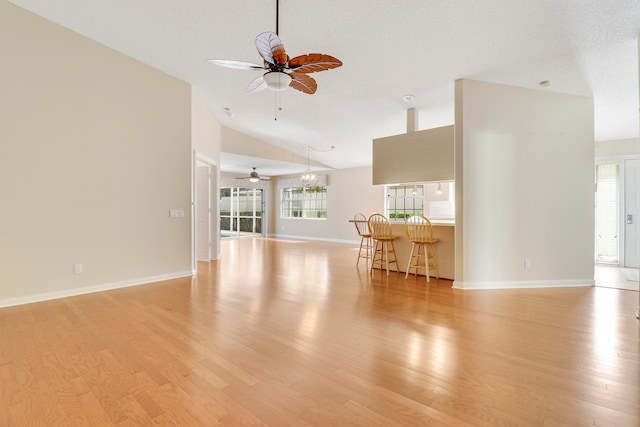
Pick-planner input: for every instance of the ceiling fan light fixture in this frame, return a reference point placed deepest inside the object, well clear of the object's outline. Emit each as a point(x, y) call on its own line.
point(254, 177)
point(277, 80)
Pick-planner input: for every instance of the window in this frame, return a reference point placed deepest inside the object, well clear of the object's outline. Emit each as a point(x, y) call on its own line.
point(300, 202)
point(404, 201)
point(435, 200)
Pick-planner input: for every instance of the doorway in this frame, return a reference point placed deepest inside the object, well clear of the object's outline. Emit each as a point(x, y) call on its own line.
point(617, 223)
point(632, 213)
point(205, 242)
point(618, 212)
point(241, 211)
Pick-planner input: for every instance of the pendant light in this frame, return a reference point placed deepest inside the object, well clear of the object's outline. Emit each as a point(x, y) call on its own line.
point(308, 178)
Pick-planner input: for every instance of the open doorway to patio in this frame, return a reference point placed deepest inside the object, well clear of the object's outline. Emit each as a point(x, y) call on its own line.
point(241, 212)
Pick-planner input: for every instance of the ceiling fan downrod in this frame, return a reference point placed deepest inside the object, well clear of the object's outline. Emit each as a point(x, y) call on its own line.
point(277, 16)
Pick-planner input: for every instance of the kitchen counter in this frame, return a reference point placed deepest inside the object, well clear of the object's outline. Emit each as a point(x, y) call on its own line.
point(444, 250)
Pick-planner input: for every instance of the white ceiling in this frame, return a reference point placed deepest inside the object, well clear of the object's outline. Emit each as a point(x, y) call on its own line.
point(389, 49)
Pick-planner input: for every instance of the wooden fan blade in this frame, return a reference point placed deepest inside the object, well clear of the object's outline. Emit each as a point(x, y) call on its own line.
point(270, 47)
point(303, 83)
point(257, 84)
point(313, 62)
point(238, 65)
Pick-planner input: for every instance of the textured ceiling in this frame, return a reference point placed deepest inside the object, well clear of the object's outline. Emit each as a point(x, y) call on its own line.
point(389, 49)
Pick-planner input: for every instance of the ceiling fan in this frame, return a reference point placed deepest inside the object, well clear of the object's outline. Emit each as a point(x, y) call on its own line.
point(254, 177)
point(282, 71)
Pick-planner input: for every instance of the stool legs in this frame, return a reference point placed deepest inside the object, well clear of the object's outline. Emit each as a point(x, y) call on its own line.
point(381, 253)
point(426, 262)
point(427, 254)
point(365, 243)
point(413, 248)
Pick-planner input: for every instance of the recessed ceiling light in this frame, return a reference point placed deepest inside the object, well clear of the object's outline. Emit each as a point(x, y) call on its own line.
point(408, 98)
point(545, 83)
point(228, 112)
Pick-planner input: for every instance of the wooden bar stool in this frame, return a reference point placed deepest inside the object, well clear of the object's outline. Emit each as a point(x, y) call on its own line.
point(362, 226)
point(420, 234)
point(380, 228)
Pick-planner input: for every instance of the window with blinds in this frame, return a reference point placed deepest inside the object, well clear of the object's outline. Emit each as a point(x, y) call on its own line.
point(607, 213)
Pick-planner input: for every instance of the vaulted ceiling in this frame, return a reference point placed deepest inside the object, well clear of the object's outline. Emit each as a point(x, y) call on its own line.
point(388, 49)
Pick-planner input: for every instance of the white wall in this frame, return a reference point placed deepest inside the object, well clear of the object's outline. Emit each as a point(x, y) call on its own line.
point(349, 191)
point(95, 149)
point(525, 184)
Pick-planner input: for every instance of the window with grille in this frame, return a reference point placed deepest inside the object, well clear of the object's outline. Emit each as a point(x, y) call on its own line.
point(301, 202)
point(241, 209)
point(404, 201)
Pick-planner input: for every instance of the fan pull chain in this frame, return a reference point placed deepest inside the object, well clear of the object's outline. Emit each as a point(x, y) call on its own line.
point(276, 103)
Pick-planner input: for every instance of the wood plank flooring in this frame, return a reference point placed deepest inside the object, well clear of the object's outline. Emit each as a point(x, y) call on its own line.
point(284, 333)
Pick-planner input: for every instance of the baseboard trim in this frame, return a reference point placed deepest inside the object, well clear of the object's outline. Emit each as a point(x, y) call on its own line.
point(319, 239)
point(47, 296)
point(523, 284)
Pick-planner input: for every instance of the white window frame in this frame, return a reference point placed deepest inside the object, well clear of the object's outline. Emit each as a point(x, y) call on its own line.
point(302, 205)
point(416, 201)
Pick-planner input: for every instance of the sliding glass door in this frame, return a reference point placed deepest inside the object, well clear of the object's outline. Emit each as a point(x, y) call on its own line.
point(241, 211)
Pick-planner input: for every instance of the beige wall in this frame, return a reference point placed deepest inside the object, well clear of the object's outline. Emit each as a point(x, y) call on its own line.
point(206, 130)
point(240, 143)
point(349, 191)
point(418, 156)
point(525, 187)
point(621, 147)
point(95, 149)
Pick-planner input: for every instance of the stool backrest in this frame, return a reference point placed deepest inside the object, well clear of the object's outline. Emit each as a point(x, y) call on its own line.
point(361, 224)
point(380, 226)
point(418, 229)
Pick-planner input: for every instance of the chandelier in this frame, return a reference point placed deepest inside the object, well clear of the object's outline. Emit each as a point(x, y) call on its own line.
point(308, 178)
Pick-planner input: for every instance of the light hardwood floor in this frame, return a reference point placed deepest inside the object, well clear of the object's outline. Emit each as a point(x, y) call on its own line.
point(285, 333)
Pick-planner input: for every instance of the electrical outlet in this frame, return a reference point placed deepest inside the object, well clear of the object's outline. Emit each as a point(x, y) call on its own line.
point(527, 263)
point(77, 269)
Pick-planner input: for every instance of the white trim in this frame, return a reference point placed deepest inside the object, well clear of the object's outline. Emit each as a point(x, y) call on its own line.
point(523, 284)
point(204, 158)
point(615, 159)
point(214, 226)
point(91, 289)
point(320, 239)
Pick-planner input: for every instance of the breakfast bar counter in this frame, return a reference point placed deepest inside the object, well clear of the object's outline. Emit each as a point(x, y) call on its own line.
point(444, 250)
